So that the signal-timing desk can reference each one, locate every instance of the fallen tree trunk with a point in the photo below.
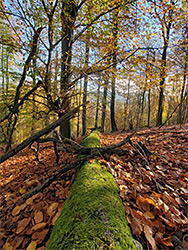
(93, 216)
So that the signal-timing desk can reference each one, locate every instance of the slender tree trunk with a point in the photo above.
(138, 110)
(186, 110)
(104, 102)
(78, 97)
(180, 115)
(114, 62)
(56, 70)
(126, 105)
(2, 70)
(97, 106)
(142, 107)
(7, 72)
(84, 127)
(33, 98)
(166, 35)
(149, 106)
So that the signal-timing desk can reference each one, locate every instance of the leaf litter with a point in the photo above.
(158, 218)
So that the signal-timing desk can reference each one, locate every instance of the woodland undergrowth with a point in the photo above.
(153, 188)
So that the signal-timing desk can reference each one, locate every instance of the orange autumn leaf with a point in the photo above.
(144, 203)
(104, 162)
(39, 226)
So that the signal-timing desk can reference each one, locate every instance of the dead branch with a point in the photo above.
(141, 150)
(119, 144)
(40, 133)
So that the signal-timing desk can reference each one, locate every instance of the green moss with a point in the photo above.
(92, 140)
(93, 216)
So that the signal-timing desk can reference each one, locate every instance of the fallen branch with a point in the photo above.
(40, 133)
(79, 149)
(141, 150)
(36, 150)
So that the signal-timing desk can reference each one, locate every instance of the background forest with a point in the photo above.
(127, 58)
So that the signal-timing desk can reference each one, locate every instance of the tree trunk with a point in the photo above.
(68, 17)
(33, 98)
(126, 105)
(166, 36)
(142, 108)
(93, 216)
(97, 106)
(84, 127)
(180, 115)
(149, 106)
(78, 99)
(104, 102)
(114, 62)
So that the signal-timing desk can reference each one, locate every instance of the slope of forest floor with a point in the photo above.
(153, 189)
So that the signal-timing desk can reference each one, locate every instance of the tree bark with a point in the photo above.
(104, 101)
(68, 17)
(149, 106)
(93, 216)
(114, 62)
(84, 127)
(166, 36)
(97, 106)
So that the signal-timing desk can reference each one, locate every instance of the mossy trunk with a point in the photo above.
(93, 216)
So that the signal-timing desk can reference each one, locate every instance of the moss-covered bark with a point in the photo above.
(93, 216)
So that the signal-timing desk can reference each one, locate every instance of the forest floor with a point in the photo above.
(153, 188)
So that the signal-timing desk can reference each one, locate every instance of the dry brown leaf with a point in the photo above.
(149, 236)
(22, 225)
(17, 241)
(36, 196)
(39, 226)
(52, 208)
(38, 217)
(150, 215)
(22, 190)
(17, 209)
(166, 242)
(54, 220)
(40, 236)
(32, 245)
(185, 242)
(136, 226)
